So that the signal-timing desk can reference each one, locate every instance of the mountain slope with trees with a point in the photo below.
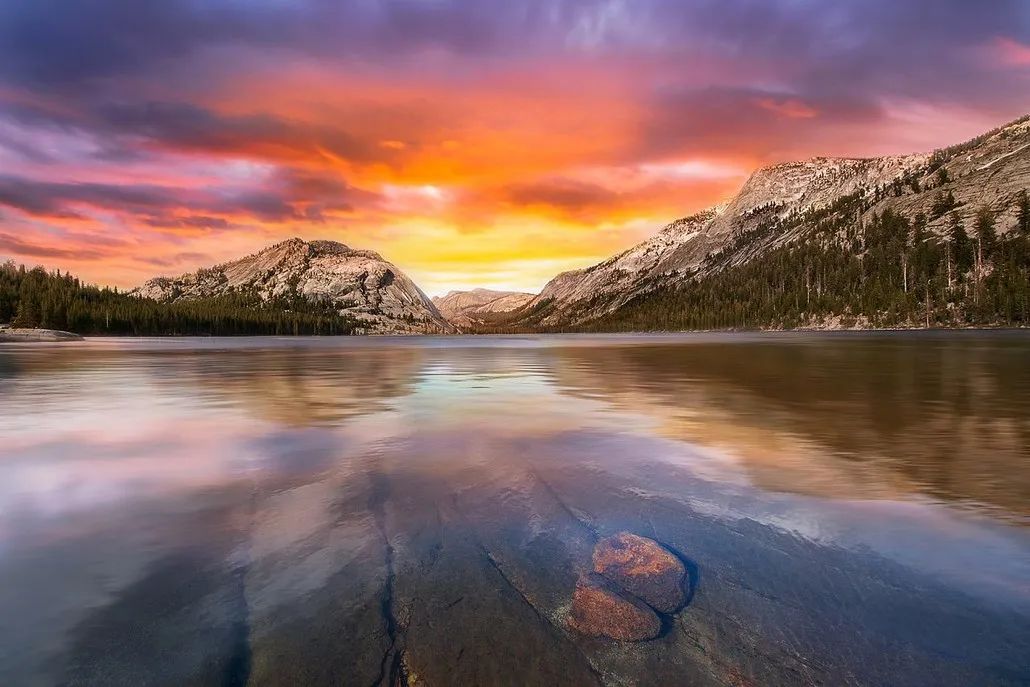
(923, 240)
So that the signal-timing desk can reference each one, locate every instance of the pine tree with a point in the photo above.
(1023, 212)
(943, 203)
(919, 229)
(985, 237)
(960, 244)
(27, 316)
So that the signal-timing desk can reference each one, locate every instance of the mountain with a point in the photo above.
(358, 284)
(478, 306)
(825, 204)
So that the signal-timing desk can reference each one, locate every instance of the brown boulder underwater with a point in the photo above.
(633, 577)
(644, 568)
(601, 611)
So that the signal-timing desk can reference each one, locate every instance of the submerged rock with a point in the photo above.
(600, 611)
(644, 568)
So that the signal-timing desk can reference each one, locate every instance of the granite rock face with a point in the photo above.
(643, 568)
(599, 610)
(621, 277)
(357, 283)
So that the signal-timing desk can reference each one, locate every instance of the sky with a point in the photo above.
(481, 143)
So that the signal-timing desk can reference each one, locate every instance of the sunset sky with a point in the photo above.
(479, 143)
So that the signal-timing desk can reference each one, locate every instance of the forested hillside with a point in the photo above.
(36, 298)
(885, 273)
(935, 239)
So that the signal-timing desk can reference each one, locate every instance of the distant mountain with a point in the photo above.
(478, 306)
(358, 284)
(831, 209)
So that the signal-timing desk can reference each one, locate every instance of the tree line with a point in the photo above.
(51, 300)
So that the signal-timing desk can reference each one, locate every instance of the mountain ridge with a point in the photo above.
(987, 171)
(468, 308)
(930, 239)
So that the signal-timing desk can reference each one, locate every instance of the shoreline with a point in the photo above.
(12, 335)
(22, 335)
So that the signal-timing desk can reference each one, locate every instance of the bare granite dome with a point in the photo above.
(358, 283)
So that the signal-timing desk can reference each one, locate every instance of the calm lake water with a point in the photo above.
(853, 508)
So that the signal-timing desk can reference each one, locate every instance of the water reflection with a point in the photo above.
(867, 416)
(343, 511)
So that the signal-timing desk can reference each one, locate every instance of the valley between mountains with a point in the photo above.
(940, 239)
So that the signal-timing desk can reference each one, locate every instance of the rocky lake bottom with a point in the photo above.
(723, 509)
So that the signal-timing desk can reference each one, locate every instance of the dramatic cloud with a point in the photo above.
(17, 246)
(451, 135)
(153, 205)
(567, 194)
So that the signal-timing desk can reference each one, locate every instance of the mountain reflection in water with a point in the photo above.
(350, 511)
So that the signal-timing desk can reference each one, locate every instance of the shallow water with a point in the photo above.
(853, 508)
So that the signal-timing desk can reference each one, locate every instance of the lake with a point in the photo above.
(852, 508)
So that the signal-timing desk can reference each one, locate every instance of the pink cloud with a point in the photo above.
(1011, 52)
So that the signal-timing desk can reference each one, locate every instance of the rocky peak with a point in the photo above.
(357, 283)
(616, 277)
(817, 182)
